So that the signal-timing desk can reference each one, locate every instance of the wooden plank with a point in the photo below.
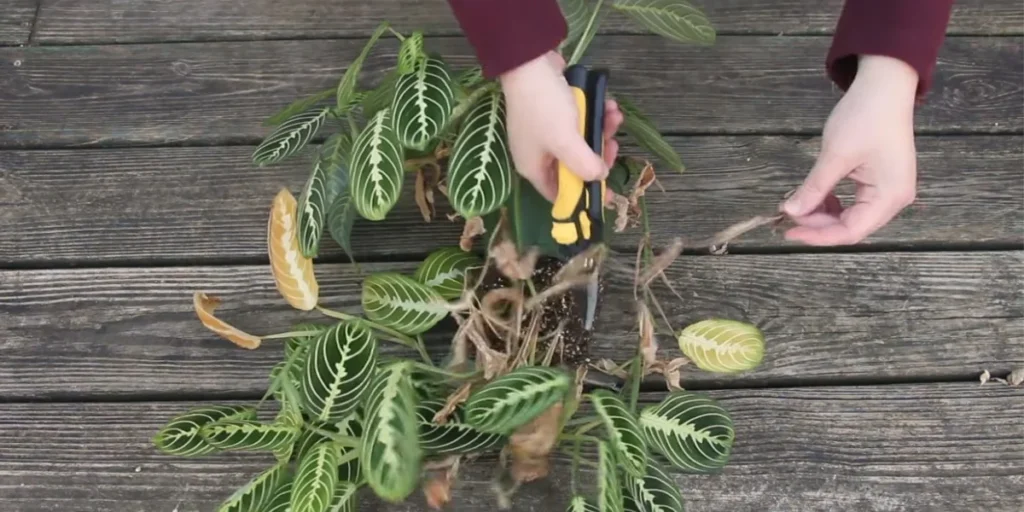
(908, 447)
(212, 202)
(130, 332)
(104, 21)
(221, 92)
(15, 23)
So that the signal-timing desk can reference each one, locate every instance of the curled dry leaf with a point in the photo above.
(622, 212)
(205, 305)
(1016, 377)
(643, 182)
(454, 400)
(510, 264)
(437, 482)
(611, 368)
(531, 444)
(661, 262)
(648, 344)
(985, 376)
(474, 227)
(670, 371)
(425, 184)
(293, 272)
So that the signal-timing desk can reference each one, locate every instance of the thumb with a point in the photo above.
(577, 156)
(826, 173)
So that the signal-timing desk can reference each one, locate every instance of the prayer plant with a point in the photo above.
(352, 416)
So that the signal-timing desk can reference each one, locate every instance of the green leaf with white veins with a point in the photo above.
(316, 479)
(290, 137)
(300, 105)
(390, 454)
(335, 154)
(722, 346)
(655, 492)
(453, 437)
(576, 14)
(516, 398)
(410, 53)
(256, 493)
(636, 125)
(347, 85)
(480, 168)
(344, 497)
(282, 500)
(609, 488)
(423, 102)
(691, 430)
(310, 208)
(380, 96)
(624, 432)
(341, 217)
(402, 303)
(377, 171)
(337, 369)
(180, 436)
(249, 435)
(580, 504)
(445, 269)
(677, 20)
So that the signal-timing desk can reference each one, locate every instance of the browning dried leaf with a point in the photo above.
(643, 182)
(205, 305)
(531, 444)
(424, 194)
(1016, 377)
(661, 262)
(985, 376)
(648, 344)
(719, 241)
(510, 264)
(622, 212)
(474, 227)
(437, 483)
(670, 371)
(454, 400)
(293, 272)
(611, 368)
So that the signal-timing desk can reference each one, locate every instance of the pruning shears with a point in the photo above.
(577, 215)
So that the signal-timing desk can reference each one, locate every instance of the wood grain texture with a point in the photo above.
(210, 204)
(15, 23)
(131, 332)
(222, 92)
(908, 447)
(103, 21)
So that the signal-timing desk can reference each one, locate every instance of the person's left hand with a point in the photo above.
(869, 138)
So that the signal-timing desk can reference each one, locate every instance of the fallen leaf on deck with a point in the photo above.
(1016, 377)
(205, 305)
(474, 227)
(531, 444)
(985, 376)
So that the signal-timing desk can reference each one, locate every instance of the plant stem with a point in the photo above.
(422, 348)
(350, 442)
(291, 334)
(467, 103)
(589, 426)
(581, 421)
(577, 53)
(349, 457)
(636, 372)
(397, 34)
(575, 465)
(352, 126)
(396, 336)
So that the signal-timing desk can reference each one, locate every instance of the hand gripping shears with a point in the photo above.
(577, 216)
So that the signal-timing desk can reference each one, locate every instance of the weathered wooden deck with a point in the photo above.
(125, 185)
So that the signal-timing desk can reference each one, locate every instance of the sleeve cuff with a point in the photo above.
(507, 33)
(909, 30)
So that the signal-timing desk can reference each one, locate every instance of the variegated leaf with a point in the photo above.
(402, 303)
(341, 217)
(347, 84)
(624, 432)
(258, 492)
(282, 500)
(293, 272)
(249, 435)
(657, 491)
(302, 342)
(316, 479)
(677, 20)
(722, 346)
(180, 436)
(380, 96)
(576, 14)
(516, 398)
(290, 136)
(691, 430)
(351, 426)
(445, 269)
(335, 154)
(584, 18)
(423, 102)
(377, 169)
(470, 78)
(580, 504)
(453, 437)
(344, 497)
(390, 455)
(205, 305)
(337, 370)
(480, 169)
(638, 126)
(311, 207)
(609, 498)
(411, 53)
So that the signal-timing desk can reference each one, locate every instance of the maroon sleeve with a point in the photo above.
(909, 30)
(507, 33)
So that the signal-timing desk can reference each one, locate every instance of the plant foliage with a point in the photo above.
(353, 416)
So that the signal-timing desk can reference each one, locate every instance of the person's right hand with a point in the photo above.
(542, 126)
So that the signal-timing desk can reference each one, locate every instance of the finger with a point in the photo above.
(823, 177)
(826, 214)
(611, 151)
(855, 224)
(612, 118)
(579, 158)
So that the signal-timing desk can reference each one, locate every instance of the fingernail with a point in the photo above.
(792, 206)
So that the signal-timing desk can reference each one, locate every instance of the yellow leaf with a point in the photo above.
(293, 272)
(205, 304)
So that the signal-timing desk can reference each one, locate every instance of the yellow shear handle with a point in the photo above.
(570, 190)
